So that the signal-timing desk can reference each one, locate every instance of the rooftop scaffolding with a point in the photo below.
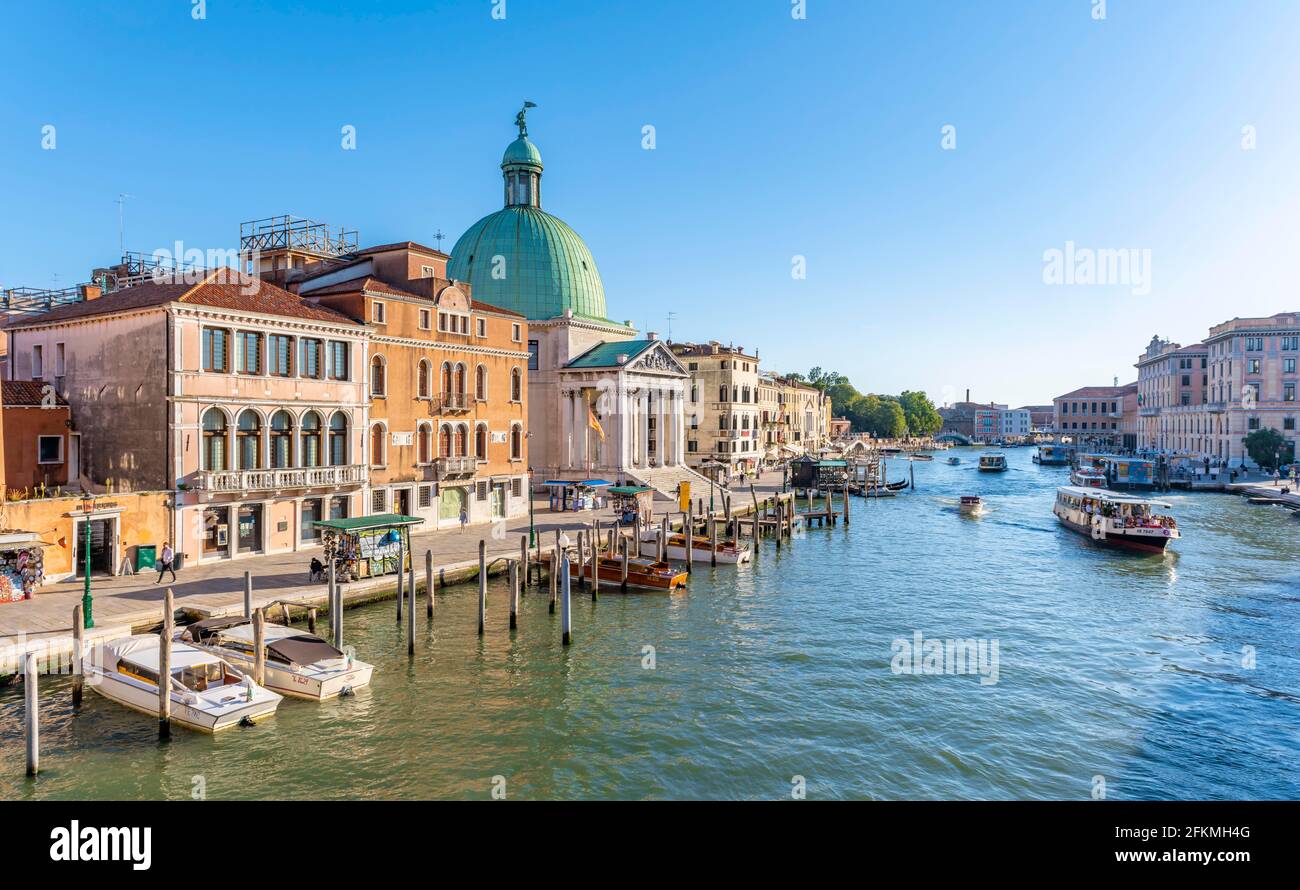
(293, 233)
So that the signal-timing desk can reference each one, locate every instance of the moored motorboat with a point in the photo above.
(729, 551)
(971, 505)
(992, 462)
(1115, 520)
(297, 663)
(1088, 477)
(207, 692)
(642, 572)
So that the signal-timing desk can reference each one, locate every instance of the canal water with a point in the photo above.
(1173, 676)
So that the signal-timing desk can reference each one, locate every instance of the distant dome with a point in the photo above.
(524, 259)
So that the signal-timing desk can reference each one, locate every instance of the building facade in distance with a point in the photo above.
(1102, 417)
(724, 437)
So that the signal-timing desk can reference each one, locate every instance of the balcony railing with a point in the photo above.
(449, 467)
(279, 480)
(451, 402)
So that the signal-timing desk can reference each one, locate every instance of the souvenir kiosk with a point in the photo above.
(589, 494)
(22, 565)
(632, 501)
(368, 546)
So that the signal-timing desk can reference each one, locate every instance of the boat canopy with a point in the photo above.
(290, 644)
(1113, 497)
(142, 650)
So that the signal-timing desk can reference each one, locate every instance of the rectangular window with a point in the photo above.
(427, 272)
(1288, 392)
(464, 325)
(59, 367)
(424, 497)
(250, 352)
(216, 350)
(338, 360)
(514, 332)
(516, 488)
(311, 514)
(1252, 423)
(377, 312)
(1252, 366)
(38, 362)
(481, 490)
(482, 326)
(532, 355)
(378, 500)
(279, 355)
(1288, 366)
(426, 317)
(309, 358)
(50, 449)
(1288, 423)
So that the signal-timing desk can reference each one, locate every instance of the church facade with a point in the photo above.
(604, 402)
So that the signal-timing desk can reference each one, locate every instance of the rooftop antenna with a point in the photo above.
(438, 236)
(121, 228)
(671, 316)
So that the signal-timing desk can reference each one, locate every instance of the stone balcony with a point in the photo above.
(451, 403)
(238, 481)
(454, 467)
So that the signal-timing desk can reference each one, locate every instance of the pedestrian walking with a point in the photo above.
(165, 562)
(464, 518)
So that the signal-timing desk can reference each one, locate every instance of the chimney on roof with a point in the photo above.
(90, 291)
(653, 335)
(968, 393)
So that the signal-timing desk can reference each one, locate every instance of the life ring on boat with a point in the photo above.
(1098, 527)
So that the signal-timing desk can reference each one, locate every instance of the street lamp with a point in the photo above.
(87, 505)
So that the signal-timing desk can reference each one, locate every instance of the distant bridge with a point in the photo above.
(957, 438)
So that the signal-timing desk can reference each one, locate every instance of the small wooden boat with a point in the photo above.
(729, 551)
(207, 692)
(642, 572)
(971, 505)
(297, 663)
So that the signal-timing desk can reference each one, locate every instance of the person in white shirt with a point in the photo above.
(165, 562)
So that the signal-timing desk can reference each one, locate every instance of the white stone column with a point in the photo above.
(645, 427)
(661, 437)
(566, 412)
(668, 446)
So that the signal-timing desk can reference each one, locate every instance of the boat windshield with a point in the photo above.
(200, 677)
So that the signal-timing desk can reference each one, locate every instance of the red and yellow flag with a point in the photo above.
(594, 423)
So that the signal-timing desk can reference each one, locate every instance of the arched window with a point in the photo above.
(214, 440)
(446, 378)
(311, 433)
(480, 441)
(516, 442)
(338, 439)
(722, 393)
(444, 440)
(248, 435)
(462, 439)
(281, 440)
(425, 441)
(460, 380)
(424, 379)
(516, 385)
(377, 451)
(378, 382)
(480, 383)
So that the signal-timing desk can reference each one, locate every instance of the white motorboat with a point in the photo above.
(1088, 477)
(297, 663)
(992, 462)
(207, 692)
(971, 505)
(728, 551)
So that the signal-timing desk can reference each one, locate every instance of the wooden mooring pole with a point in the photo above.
(515, 581)
(429, 584)
(482, 585)
(688, 529)
(713, 541)
(165, 667)
(401, 576)
(259, 647)
(595, 563)
(32, 714)
(566, 610)
(336, 608)
(248, 595)
(311, 620)
(555, 576)
(78, 652)
(624, 541)
(523, 561)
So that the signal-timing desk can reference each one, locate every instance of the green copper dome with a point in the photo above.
(522, 258)
(522, 151)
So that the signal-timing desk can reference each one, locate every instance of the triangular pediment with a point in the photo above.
(658, 358)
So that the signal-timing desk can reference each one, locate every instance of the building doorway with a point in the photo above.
(498, 500)
(102, 535)
(402, 501)
(250, 528)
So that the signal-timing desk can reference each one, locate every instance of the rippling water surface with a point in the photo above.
(1113, 664)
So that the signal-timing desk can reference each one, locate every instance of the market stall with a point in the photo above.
(22, 565)
(631, 501)
(368, 546)
(566, 495)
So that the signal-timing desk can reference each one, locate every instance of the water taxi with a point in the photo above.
(1053, 455)
(971, 505)
(954, 461)
(642, 572)
(207, 692)
(1116, 520)
(1088, 477)
(297, 663)
(992, 462)
(728, 551)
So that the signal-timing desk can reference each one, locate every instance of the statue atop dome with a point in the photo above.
(521, 119)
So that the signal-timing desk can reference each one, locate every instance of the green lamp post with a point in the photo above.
(87, 505)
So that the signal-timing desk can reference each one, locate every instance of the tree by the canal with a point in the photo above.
(922, 418)
(1268, 448)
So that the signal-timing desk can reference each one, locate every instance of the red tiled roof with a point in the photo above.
(223, 288)
(376, 285)
(1089, 392)
(403, 245)
(25, 394)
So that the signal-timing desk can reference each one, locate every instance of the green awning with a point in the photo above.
(629, 489)
(364, 523)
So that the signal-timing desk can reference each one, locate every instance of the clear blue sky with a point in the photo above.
(776, 138)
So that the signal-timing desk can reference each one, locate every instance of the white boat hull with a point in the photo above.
(307, 682)
(204, 714)
(738, 554)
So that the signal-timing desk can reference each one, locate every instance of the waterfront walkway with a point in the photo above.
(128, 602)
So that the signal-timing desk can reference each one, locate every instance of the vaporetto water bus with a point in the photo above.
(992, 463)
(1053, 455)
(1116, 520)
